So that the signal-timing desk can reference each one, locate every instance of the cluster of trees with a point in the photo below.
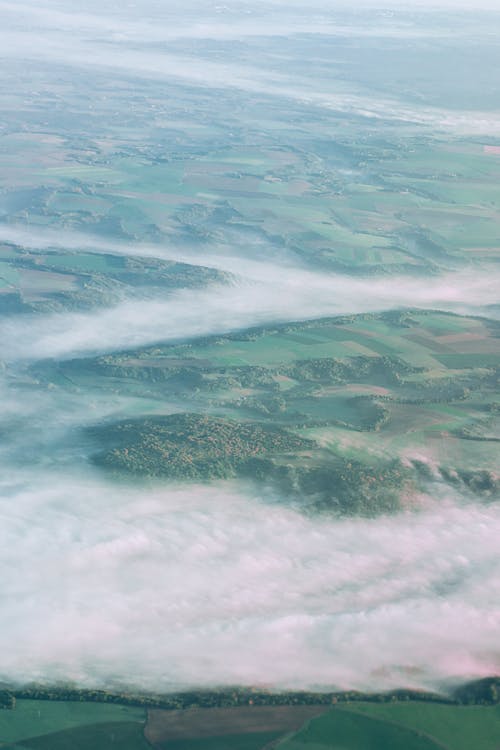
(195, 447)
(481, 692)
(190, 446)
(358, 369)
(479, 481)
(339, 485)
(7, 699)
(232, 697)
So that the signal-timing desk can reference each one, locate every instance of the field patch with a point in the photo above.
(457, 727)
(173, 728)
(342, 730)
(124, 735)
(32, 718)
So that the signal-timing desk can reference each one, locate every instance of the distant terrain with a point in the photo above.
(256, 721)
(249, 375)
(354, 414)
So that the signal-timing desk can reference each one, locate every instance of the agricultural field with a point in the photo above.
(409, 398)
(62, 724)
(394, 725)
(249, 376)
(34, 282)
(422, 726)
(330, 193)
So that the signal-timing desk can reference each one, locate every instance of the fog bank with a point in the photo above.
(206, 586)
(277, 296)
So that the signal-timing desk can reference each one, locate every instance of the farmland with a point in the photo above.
(351, 725)
(249, 376)
(409, 398)
(400, 727)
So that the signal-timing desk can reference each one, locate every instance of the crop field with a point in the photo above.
(342, 730)
(432, 204)
(62, 724)
(249, 368)
(243, 728)
(396, 725)
(425, 339)
(456, 728)
(345, 397)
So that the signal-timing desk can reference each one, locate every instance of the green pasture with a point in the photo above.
(126, 735)
(374, 337)
(447, 189)
(342, 730)
(251, 741)
(356, 413)
(461, 361)
(32, 718)
(271, 349)
(455, 727)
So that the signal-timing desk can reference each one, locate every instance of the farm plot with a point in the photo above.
(43, 725)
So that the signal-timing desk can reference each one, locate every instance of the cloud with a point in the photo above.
(160, 586)
(263, 293)
(141, 49)
(205, 585)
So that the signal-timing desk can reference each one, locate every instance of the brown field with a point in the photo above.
(459, 338)
(191, 723)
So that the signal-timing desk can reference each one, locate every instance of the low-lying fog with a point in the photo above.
(159, 586)
(164, 588)
(258, 292)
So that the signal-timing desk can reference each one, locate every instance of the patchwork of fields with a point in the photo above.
(43, 725)
(249, 375)
(410, 398)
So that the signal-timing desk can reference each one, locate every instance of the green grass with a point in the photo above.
(358, 413)
(465, 361)
(343, 730)
(457, 727)
(32, 718)
(90, 262)
(126, 735)
(252, 741)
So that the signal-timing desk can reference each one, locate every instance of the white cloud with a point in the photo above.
(98, 42)
(206, 586)
(264, 293)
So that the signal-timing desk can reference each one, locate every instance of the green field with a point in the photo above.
(400, 726)
(342, 730)
(376, 396)
(251, 741)
(457, 728)
(126, 735)
(62, 724)
(395, 725)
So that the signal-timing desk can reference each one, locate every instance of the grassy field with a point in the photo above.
(400, 726)
(363, 219)
(59, 725)
(456, 727)
(413, 386)
(254, 741)
(37, 719)
(342, 730)
(124, 735)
